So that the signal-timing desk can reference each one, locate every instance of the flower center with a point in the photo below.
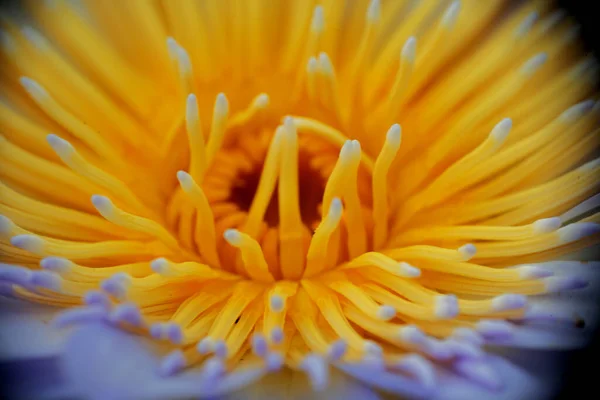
(311, 186)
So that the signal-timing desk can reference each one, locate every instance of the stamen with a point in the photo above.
(31, 243)
(252, 255)
(128, 313)
(77, 163)
(258, 104)
(373, 18)
(312, 69)
(217, 128)
(205, 226)
(362, 301)
(119, 217)
(397, 94)
(291, 229)
(69, 121)
(380, 171)
(337, 350)
(260, 346)
(385, 263)
(182, 63)
(525, 26)
(266, 185)
(196, 139)
(329, 89)
(446, 306)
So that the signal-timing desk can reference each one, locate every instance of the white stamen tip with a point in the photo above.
(289, 125)
(494, 329)
(213, 369)
(356, 147)
(56, 264)
(337, 350)
(220, 348)
(534, 272)
(261, 101)
(259, 345)
(374, 11)
(103, 204)
(501, 130)
(546, 225)
(232, 236)
(276, 302)
(386, 312)
(159, 265)
(573, 113)
(205, 346)
(467, 251)
(372, 348)
(172, 47)
(533, 64)
(46, 279)
(276, 335)
(59, 145)
(185, 180)
(527, 24)
(394, 135)
(221, 104)
(451, 14)
(409, 50)
(590, 165)
(312, 65)
(509, 301)
(576, 231)
(318, 20)
(191, 104)
(419, 367)
(6, 225)
(325, 63)
(468, 335)
(346, 150)
(30, 243)
(446, 306)
(34, 37)
(411, 334)
(172, 363)
(556, 284)
(34, 89)
(183, 59)
(408, 271)
(274, 361)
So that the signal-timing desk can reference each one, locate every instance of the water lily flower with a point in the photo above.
(285, 198)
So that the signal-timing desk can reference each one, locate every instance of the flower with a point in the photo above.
(264, 193)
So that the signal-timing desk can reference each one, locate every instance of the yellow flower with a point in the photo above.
(298, 182)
